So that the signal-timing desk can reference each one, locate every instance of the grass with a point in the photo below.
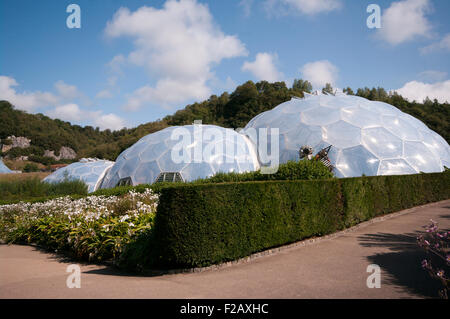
(31, 188)
(23, 176)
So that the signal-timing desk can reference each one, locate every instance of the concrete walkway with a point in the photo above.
(329, 268)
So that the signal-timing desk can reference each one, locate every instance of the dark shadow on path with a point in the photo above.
(403, 263)
(108, 268)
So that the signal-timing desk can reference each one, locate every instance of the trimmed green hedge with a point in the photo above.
(199, 225)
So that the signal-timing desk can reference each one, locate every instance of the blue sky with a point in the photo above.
(135, 61)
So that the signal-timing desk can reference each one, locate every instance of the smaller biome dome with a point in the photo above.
(183, 153)
(3, 168)
(90, 171)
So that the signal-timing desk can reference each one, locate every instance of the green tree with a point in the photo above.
(328, 89)
(302, 86)
(349, 91)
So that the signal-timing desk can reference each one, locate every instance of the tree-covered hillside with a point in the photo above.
(228, 110)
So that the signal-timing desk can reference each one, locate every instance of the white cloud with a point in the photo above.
(67, 91)
(166, 93)
(263, 68)
(104, 94)
(308, 7)
(73, 113)
(405, 20)
(68, 112)
(418, 91)
(27, 101)
(320, 73)
(178, 44)
(443, 45)
(110, 121)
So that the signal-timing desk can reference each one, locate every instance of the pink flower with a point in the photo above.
(424, 263)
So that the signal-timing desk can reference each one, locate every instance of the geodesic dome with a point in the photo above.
(367, 137)
(3, 168)
(208, 149)
(91, 171)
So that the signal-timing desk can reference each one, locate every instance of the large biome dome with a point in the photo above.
(90, 171)
(151, 158)
(367, 137)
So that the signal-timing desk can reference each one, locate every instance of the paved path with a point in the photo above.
(330, 268)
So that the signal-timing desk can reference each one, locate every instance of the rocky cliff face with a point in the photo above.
(11, 142)
(19, 141)
(64, 153)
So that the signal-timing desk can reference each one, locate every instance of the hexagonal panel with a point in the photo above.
(146, 172)
(168, 163)
(356, 161)
(395, 167)
(320, 116)
(341, 134)
(360, 117)
(420, 157)
(382, 143)
(401, 128)
(195, 171)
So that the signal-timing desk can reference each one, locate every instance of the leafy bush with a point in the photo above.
(30, 167)
(302, 170)
(203, 224)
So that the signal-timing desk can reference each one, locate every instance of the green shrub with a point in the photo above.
(199, 224)
(302, 170)
(30, 167)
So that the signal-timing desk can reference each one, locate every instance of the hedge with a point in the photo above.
(199, 225)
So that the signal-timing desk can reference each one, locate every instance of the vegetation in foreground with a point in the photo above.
(30, 187)
(94, 228)
(211, 221)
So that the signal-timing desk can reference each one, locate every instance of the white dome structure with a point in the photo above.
(4, 169)
(183, 153)
(90, 171)
(367, 137)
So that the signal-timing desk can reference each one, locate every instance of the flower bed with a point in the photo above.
(94, 228)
